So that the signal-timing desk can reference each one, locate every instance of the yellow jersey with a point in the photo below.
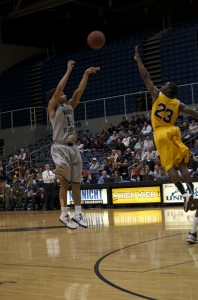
(165, 111)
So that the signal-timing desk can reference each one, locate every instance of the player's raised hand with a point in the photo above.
(136, 56)
(92, 70)
(70, 65)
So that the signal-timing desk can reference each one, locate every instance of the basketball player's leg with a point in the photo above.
(192, 236)
(193, 204)
(64, 217)
(188, 198)
(76, 193)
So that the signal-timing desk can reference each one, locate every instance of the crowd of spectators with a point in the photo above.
(122, 153)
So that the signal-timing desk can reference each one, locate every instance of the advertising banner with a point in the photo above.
(134, 195)
(90, 196)
(172, 195)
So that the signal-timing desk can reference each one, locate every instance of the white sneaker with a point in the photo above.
(68, 222)
(191, 239)
(80, 220)
(188, 198)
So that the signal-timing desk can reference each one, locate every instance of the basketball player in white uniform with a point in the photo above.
(64, 152)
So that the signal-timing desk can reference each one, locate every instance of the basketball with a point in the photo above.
(96, 39)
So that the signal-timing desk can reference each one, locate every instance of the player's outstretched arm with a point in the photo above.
(187, 110)
(82, 85)
(145, 76)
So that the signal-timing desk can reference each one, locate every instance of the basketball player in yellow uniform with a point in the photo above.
(173, 153)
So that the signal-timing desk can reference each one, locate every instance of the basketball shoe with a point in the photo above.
(192, 237)
(68, 222)
(80, 220)
(188, 198)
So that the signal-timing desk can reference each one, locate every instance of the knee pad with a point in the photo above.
(62, 171)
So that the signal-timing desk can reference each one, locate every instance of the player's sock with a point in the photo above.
(190, 187)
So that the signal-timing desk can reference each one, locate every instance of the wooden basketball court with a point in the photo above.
(124, 254)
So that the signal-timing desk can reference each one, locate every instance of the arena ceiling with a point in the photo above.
(66, 23)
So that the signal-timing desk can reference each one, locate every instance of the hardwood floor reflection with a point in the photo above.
(124, 254)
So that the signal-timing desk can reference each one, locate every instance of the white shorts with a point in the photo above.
(70, 157)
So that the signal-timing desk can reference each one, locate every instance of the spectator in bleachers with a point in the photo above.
(132, 175)
(129, 155)
(89, 178)
(126, 139)
(138, 155)
(102, 177)
(120, 145)
(133, 122)
(97, 144)
(123, 169)
(193, 128)
(22, 155)
(146, 129)
(80, 146)
(123, 124)
(139, 144)
(195, 148)
(149, 157)
(95, 165)
(115, 154)
(148, 142)
(6, 196)
(39, 177)
(163, 175)
(156, 172)
(14, 161)
(18, 194)
(117, 177)
(112, 137)
(106, 165)
(32, 194)
(147, 173)
(2, 168)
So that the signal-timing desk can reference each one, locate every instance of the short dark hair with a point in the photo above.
(50, 93)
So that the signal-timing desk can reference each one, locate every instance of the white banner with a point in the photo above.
(172, 195)
(90, 196)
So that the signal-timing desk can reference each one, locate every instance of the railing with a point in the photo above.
(130, 103)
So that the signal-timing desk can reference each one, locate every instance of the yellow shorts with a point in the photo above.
(170, 147)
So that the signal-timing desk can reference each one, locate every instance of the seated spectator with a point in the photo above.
(117, 177)
(138, 155)
(89, 178)
(126, 140)
(147, 129)
(163, 175)
(32, 194)
(18, 194)
(132, 175)
(80, 146)
(129, 155)
(103, 177)
(147, 174)
(6, 196)
(22, 155)
(149, 157)
(195, 148)
(106, 165)
(123, 169)
(39, 177)
(193, 128)
(114, 155)
(120, 146)
(95, 166)
(112, 137)
(148, 142)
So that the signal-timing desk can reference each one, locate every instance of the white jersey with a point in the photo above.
(63, 124)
